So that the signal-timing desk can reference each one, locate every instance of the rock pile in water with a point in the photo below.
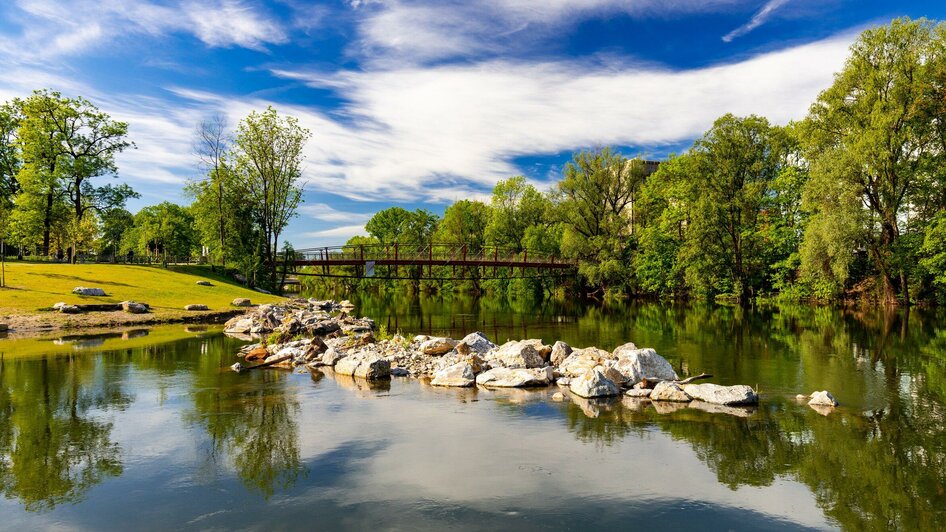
(330, 338)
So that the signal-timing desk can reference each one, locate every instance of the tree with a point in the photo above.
(117, 223)
(872, 135)
(212, 147)
(388, 225)
(268, 167)
(163, 230)
(465, 222)
(9, 160)
(595, 199)
(66, 142)
(515, 206)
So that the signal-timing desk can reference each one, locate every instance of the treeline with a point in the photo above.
(54, 151)
(847, 203)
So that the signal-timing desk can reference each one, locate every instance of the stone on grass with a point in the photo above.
(639, 364)
(133, 307)
(722, 395)
(669, 391)
(437, 346)
(241, 302)
(85, 291)
(204, 283)
(823, 398)
(459, 375)
(69, 309)
(515, 377)
(196, 307)
(594, 383)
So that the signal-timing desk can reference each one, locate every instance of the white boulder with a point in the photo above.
(438, 346)
(722, 395)
(460, 375)
(517, 355)
(638, 364)
(822, 398)
(669, 391)
(593, 383)
(84, 291)
(515, 377)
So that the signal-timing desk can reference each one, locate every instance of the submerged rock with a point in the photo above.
(823, 398)
(722, 395)
(669, 391)
(515, 377)
(460, 375)
(594, 383)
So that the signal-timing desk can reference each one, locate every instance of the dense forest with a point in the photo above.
(847, 203)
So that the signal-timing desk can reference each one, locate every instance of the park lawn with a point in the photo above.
(35, 286)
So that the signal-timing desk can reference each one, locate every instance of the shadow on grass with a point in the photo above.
(77, 278)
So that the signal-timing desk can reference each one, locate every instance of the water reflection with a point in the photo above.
(285, 448)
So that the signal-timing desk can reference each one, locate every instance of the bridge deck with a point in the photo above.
(454, 256)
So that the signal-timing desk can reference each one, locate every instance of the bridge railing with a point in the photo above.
(427, 253)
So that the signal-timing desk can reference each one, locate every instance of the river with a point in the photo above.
(149, 430)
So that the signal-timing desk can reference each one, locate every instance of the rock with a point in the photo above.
(517, 355)
(400, 372)
(4, 327)
(611, 372)
(558, 397)
(560, 351)
(722, 395)
(420, 338)
(196, 307)
(204, 283)
(580, 361)
(59, 305)
(364, 365)
(257, 354)
(594, 384)
(315, 350)
(438, 346)
(540, 347)
(515, 377)
(823, 398)
(69, 309)
(640, 393)
(478, 342)
(460, 374)
(330, 357)
(237, 367)
(132, 307)
(345, 304)
(238, 325)
(241, 302)
(669, 391)
(638, 364)
(83, 291)
(801, 397)
(738, 411)
(563, 381)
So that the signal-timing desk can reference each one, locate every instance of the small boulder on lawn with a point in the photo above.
(241, 302)
(133, 307)
(205, 283)
(85, 291)
(69, 309)
(196, 307)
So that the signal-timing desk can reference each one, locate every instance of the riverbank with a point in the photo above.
(33, 289)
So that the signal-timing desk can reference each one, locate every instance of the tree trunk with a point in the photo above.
(47, 222)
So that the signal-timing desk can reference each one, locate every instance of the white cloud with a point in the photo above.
(343, 232)
(46, 30)
(760, 18)
(433, 133)
(327, 213)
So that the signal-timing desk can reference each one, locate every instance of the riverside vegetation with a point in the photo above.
(845, 204)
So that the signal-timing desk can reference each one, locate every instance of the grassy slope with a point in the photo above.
(32, 286)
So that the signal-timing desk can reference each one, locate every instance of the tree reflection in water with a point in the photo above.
(52, 447)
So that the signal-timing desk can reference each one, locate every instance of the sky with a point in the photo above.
(421, 103)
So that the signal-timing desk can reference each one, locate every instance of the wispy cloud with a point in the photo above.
(340, 233)
(326, 213)
(760, 18)
(50, 28)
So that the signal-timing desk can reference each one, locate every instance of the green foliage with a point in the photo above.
(161, 231)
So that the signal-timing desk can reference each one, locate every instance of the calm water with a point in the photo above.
(151, 431)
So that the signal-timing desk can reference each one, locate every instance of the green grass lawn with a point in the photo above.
(33, 286)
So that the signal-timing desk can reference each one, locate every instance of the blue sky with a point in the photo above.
(419, 103)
